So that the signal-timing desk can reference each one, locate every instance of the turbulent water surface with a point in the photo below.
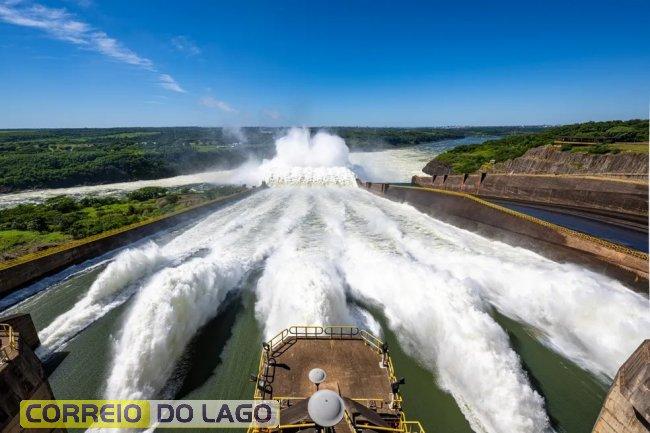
(470, 316)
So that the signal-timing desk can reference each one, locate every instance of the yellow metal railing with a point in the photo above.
(324, 332)
(411, 427)
(334, 332)
(11, 342)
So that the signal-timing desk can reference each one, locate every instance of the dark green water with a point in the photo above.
(220, 358)
(573, 396)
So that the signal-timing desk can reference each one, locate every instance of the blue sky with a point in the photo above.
(86, 63)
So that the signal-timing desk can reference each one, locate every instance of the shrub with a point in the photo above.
(147, 193)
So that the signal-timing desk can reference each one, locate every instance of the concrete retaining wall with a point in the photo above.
(612, 195)
(22, 377)
(627, 405)
(18, 273)
(24, 324)
(555, 242)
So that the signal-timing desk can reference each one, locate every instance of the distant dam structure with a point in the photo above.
(310, 176)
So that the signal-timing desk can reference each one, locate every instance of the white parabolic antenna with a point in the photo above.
(317, 375)
(326, 408)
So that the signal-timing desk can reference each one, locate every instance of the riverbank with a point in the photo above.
(589, 147)
(28, 268)
(33, 227)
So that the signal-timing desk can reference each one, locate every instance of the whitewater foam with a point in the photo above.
(117, 282)
(103, 295)
(310, 177)
(303, 159)
(177, 301)
(321, 247)
(565, 302)
(438, 320)
(301, 283)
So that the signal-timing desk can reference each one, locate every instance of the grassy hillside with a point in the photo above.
(32, 227)
(609, 137)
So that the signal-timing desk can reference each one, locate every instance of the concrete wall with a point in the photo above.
(23, 273)
(612, 195)
(28, 332)
(23, 378)
(551, 159)
(552, 241)
(627, 405)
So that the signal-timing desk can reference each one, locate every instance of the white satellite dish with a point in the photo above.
(317, 375)
(326, 408)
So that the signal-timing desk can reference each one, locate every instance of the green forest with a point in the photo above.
(378, 138)
(32, 227)
(68, 157)
(602, 137)
(52, 158)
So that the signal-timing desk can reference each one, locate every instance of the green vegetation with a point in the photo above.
(602, 137)
(52, 158)
(377, 138)
(67, 157)
(32, 227)
(631, 147)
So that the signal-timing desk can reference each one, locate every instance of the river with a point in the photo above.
(490, 337)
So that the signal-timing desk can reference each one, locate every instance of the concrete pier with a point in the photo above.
(21, 374)
(624, 198)
(627, 406)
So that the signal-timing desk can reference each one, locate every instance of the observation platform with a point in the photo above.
(353, 369)
(358, 368)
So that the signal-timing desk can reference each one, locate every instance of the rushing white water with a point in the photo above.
(564, 301)
(326, 246)
(116, 283)
(302, 284)
(310, 176)
(439, 322)
(177, 301)
(39, 195)
(434, 282)
(402, 163)
(103, 296)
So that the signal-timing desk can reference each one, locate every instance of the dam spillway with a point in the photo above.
(319, 255)
(521, 229)
(178, 315)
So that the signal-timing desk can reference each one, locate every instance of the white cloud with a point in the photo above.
(185, 45)
(167, 82)
(112, 48)
(272, 114)
(209, 101)
(84, 3)
(60, 24)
